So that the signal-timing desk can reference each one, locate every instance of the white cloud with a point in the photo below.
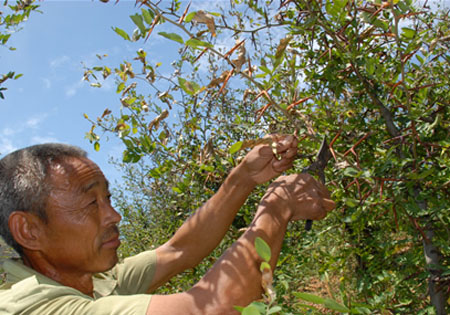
(47, 83)
(43, 139)
(60, 61)
(6, 146)
(71, 90)
(35, 121)
(7, 131)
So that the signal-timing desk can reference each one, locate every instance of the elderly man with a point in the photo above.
(55, 211)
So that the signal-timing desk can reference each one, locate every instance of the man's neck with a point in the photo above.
(80, 282)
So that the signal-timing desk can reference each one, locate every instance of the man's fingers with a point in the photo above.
(328, 204)
(282, 165)
(289, 153)
(265, 150)
(285, 143)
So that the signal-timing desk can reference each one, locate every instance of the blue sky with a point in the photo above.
(47, 104)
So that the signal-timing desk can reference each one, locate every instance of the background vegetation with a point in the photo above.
(371, 76)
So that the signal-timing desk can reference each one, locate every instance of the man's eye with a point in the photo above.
(94, 202)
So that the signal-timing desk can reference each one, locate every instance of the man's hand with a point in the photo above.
(299, 197)
(261, 164)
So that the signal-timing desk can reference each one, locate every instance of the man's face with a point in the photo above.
(81, 235)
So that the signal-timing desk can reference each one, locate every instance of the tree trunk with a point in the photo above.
(433, 258)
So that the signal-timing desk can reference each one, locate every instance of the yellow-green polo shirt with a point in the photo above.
(119, 291)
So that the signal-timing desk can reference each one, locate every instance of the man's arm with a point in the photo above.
(204, 230)
(235, 279)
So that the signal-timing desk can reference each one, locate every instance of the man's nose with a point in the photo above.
(111, 216)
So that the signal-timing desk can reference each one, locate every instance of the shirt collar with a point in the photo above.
(16, 271)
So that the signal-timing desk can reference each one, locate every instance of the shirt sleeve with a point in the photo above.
(135, 274)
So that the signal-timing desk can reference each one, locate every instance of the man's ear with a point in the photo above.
(26, 229)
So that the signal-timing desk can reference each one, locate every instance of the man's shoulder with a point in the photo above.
(31, 292)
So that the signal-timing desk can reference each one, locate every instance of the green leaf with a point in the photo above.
(351, 202)
(250, 310)
(189, 87)
(335, 306)
(331, 9)
(139, 21)
(263, 249)
(190, 16)
(120, 87)
(148, 18)
(265, 69)
(194, 43)
(235, 147)
(408, 32)
(341, 3)
(238, 308)
(172, 36)
(370, 66)
(352, 172)
(310, 297)
(421, 175)
(97, 146)
(121, 33)
(264, 265)
(177, 190)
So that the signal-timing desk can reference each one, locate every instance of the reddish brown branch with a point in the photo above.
(298, 102)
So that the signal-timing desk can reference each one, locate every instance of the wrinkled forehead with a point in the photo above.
(79, 172)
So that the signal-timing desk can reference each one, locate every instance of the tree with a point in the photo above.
(372, 76)
(9, 23)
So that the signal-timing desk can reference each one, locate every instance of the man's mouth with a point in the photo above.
(111, 238)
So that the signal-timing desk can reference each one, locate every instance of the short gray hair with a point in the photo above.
(23, 184)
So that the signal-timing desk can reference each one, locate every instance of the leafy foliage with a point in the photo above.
(372, 76)
(9, 23)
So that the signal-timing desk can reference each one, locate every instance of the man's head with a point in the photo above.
(55, 208)
(24, 184)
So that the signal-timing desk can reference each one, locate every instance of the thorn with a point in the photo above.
(234, 48)
(184, 13)
(226, 81)
(152, 27)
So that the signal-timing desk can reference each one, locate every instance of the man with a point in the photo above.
(55, 211)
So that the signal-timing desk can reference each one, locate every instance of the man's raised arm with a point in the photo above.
(204, 230)
(235, 279)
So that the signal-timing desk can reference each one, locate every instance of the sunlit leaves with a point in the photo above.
(172, 36)
(408, 32)
(235, 147)
(121, 33)
(10, 18)
(195, 43)
(190, 87)
(262, 249)
(139, 21)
